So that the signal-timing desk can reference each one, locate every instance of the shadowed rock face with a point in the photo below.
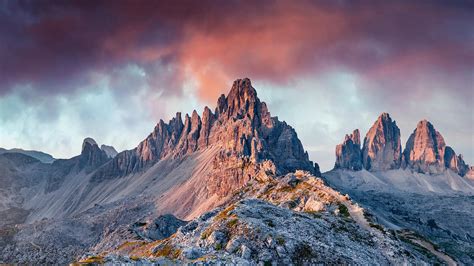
(43, 157)
(109, 150)
(382, 145)
(426, 152)
(348, 154)
(158, 228)
(241, 124)
(91, 155)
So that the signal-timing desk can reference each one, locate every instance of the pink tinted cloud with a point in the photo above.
(56, 45)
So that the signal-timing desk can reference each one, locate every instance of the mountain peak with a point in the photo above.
(427, 152)
(88, 141)
(348, 154)
(91, 155)
(382, 145)
(384, 116)
(109, 150)
(425, 149)
(425, 124)
(241, 125)
(241, 100)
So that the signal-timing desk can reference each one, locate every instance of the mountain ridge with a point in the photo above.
(425, 150)
(193, 168)
(184, 167)
(42, 156)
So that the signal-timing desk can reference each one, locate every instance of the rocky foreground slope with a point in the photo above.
(288, 219)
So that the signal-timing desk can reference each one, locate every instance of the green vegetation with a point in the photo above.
(224, 214)
(270, 223)
(377, 226)
(206, 233)
(93, 260)
(232, 223)
(303, 253)
(344, 211)
(168, 251)
(280, 240)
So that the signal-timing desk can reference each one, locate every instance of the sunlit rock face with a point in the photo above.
(382, 145)
(426, 152)
(349, 154)
(241, 125)
(470, 173)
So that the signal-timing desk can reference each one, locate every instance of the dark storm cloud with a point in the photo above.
(56, 46)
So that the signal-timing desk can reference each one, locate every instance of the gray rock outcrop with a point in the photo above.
(91, 155)
(382, 146)
(109, 150)
(158, 228)
(349, 154)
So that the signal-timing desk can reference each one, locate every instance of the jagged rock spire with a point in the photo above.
(91, 155)
(348, 154)
(382, 145)
(242, 99)
(425, 149)
(109, 150)
(241, 126)
(426, 152)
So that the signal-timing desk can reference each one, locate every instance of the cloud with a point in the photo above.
(154, 57)
(58, 46)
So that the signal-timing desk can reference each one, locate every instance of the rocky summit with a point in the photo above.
(382, 149)
(91, 155)
(241, 124)
(415, 190)
(426, 152)
(348, 154)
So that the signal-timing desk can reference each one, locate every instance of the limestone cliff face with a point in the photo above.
(109, 150)
(91, 155)
(349, 154)
(426, 152)
(241, 126)
(382, 145)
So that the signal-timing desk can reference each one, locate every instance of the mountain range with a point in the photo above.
(235, 185)
(427, 187)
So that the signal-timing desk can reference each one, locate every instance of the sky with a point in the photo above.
(112, 69)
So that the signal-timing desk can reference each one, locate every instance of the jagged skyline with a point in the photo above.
(111, 71)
